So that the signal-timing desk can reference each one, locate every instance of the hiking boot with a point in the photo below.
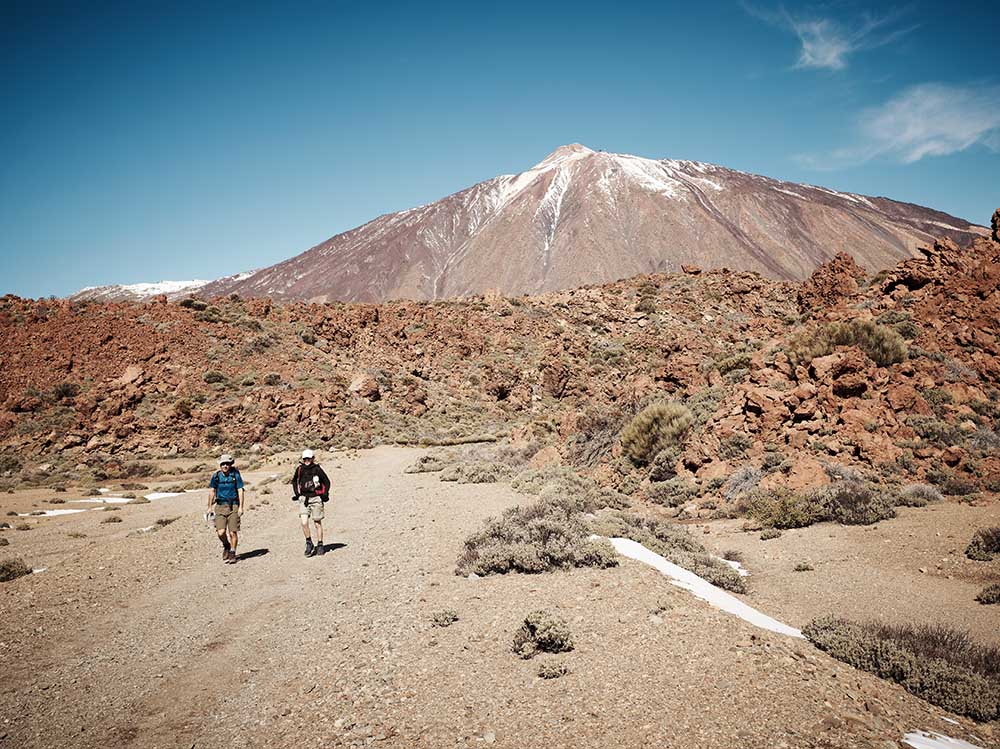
(225, 556)
(320, 549)
(232, 556)
(310, 549)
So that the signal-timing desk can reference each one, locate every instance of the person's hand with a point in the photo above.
(240, 511)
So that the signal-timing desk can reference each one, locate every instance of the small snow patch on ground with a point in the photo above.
(924, 740)
(162, 495)
(736, 566)
(40, 569)
(104, 500)
(701, 588)
(48, 513)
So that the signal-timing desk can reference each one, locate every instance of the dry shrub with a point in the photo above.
(989, 594)
(672, 493)
(11, 569)
(769, 534)
(881, 344)
(112, 519)
(782, 508)
(854, 503)
(735, 446)
(937, 663)
(673, 543)
(547, 535)
(743, 481)
(427, 464)
(444, 618)
(551, 670)
(542, 632)
(918, 495)
(984, 544)
(656, 427)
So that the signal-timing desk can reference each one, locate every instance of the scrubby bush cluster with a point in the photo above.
(673, 543)
(918, 495)
(984, 544)
(939, 664)
(658, 426)
(990, 594)
(547, 535)
(882, 344)
(542, 632)
(444, 618)
(671, 493)
(11, 569)
(549, 670)
(844, 502)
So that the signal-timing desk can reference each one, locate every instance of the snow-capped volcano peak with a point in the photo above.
(581, 216)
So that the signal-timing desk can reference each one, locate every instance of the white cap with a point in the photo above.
(226, 458)
(308, 454)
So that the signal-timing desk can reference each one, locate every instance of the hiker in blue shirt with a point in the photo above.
(227, 496)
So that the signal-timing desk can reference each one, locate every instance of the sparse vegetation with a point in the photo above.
(803, 567)
(444, 618)
(844, 502)
(855, 503)
(213, 376)
(769, 533)
(542, 632)
(937, 663)
(880, 343)
(111, 519)
(11, 569)
(782, 508)
(164, 522)
(551, 670)
(984, 545)
(547, 535)
(743, 481)
(918, 495)
(990, 594)
(735, 446)
(658, 426)
(673, 543)
(672, 493)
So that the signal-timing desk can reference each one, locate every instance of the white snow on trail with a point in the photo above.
(104, 500)
(47, 513)
(701, 588)
(162, 495)
(924, 740)
(736, 566)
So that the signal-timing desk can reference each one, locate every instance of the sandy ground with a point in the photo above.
(148, 640)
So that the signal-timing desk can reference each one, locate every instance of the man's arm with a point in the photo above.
(243, 504)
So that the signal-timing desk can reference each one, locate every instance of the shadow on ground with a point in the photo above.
(251, 554)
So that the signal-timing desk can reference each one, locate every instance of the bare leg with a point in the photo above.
(319, 532)
(223, 537)
(234, 538)
(305, 526)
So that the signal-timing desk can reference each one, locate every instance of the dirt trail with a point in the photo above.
(150, 641)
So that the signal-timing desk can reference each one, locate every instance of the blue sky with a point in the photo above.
(145, 141)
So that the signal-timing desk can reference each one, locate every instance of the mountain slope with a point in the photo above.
(582, 217)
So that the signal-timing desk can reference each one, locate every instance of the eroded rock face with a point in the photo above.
(832, 284)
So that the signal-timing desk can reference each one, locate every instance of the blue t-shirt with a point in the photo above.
(226, 487)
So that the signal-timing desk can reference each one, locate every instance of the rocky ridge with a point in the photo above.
(565, 368)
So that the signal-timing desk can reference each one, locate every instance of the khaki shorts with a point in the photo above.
(227, 517)
(311, 507)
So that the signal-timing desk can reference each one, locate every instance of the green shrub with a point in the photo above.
(938, 664)
(542, 632)
(950, 482)
(990, 594)
(673, 543)
(656, 427)
(735, 446)
(663, 465)
(11, 569)
(984, 544)
(112, 519)
(65, 390)
(769, 534)
(646, 305)
(212, 376)
(881, 344)
(9, 462)
(936, 431)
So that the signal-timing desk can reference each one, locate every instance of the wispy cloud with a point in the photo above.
(826, 43)
(931, 119)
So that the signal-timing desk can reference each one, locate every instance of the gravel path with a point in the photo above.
(149, 640)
